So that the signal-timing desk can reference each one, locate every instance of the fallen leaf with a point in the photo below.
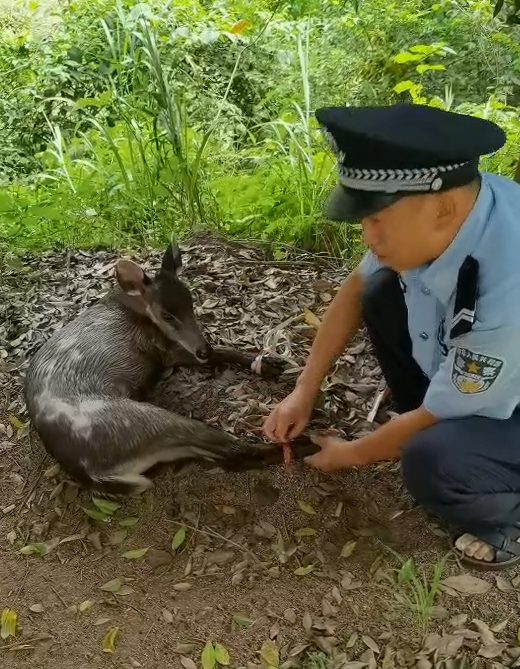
(307, 621)
(9, 620)
(297, 649)
(52, 472)
(110, 640)
(207, 658)
(368, 641)
(221, 654)
(304, 571)
(106, 506)
(95, 514)
(336, 595)
(306, 507)
(129, 522)
(178, 538)
(117, 537)
(85, 606)
(188, 663)
(135, 554)
(290, 615)
(33, 549)
(112, 586)
(492, 650)
(16, 422)
(311, 319)
(467, 584)
(503, 584)
(101, 621)
(269, 655)
(348, 549)
(305, 532)
(242, 621)
(167, 616)
(125, 590)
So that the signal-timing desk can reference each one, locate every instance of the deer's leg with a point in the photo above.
(268, 366)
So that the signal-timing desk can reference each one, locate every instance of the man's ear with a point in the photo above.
(446, 206)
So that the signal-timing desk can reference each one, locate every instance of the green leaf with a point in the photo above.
(222, 655)
(306, 507)
(96, 515)
(16, 422)
(129, 522)
(112, 586)
(135, 554)
(423, 48)
(33, 549)
(242, 621)
(8, 621)
(178, 538)
(348, 549)
(407, 57)
(207, 658)
(106, 506)
(270, 655)
(305, 532)
(421, 69)
(406, 572)
(110, 640)
(304, 571)
(403, 86)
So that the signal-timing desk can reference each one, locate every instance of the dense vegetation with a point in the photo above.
(122, 121)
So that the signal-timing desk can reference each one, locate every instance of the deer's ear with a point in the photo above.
(172, 259)
(131, 278)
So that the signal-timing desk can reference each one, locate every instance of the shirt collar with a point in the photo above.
(440, 276)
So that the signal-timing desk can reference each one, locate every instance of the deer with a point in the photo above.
(86, 386)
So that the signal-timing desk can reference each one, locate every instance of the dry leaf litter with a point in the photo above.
(264, 569)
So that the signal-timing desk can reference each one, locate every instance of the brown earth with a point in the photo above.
(245, 576)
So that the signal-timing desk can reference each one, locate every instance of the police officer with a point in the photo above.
(439, 293)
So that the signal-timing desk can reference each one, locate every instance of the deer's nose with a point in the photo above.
(202, 353)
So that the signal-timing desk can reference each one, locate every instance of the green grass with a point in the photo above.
(129, 122)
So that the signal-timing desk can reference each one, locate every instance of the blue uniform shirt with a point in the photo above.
(477, 373)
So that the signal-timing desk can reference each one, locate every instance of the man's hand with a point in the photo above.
(289, 418)
(335, 454)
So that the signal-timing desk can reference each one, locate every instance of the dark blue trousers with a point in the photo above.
(465, 471)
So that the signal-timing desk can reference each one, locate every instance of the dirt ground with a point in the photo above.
(275, 568)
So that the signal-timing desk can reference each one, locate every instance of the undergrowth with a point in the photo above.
(124, 122)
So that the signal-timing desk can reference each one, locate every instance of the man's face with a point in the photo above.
(405, 234)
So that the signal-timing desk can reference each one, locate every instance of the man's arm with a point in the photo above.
(479, 377)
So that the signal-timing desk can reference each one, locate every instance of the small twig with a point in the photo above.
(26, 642)
(59, 597)
(33, 487)
(22, 583)
(149, 632)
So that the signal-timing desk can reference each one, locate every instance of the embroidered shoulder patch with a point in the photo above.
(474, 373)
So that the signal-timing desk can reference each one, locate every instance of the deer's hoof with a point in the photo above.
(269, 366)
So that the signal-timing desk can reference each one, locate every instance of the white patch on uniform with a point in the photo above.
(473, 373)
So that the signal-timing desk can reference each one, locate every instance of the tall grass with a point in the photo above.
(159, 116)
